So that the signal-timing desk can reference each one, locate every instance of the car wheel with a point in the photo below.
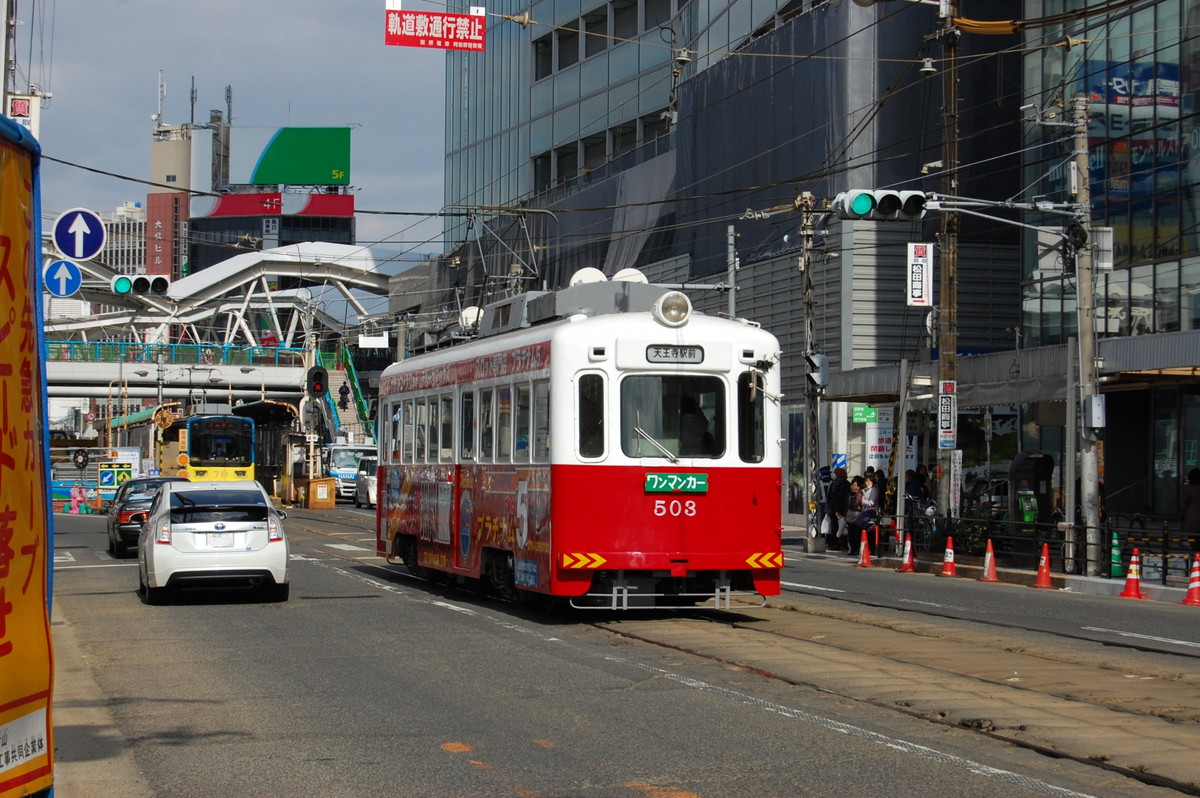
(151, 595)
(112, 545)
(357, 503)
(117, 549)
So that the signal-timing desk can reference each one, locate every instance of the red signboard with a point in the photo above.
(435, 29)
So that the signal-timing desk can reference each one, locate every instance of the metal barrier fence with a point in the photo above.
(187, 354)
(1165, 554)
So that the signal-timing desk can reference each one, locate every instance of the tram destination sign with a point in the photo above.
(676, 483)
(669, 353)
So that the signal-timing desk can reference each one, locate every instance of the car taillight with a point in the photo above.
(164, 534)
(123, 516)
(274, 532)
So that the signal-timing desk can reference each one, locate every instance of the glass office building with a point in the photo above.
(1139, 70)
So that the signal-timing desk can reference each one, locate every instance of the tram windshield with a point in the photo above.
(672, 416)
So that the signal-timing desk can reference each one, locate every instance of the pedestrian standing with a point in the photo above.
(854, 515)
(1190, 510)
(837, 500)
(344, 395)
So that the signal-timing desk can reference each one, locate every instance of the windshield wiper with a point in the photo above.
(665, 451)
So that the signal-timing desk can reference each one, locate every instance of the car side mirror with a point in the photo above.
(282, 515)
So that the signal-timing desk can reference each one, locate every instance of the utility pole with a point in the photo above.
(812, 392)
(948, 241)
(1090, 401)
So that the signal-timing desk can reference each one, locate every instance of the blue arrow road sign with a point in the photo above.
(79, 234)
(62, 278)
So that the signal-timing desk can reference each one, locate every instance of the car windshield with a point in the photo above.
(347, 458)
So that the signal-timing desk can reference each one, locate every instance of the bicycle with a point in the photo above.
(921, 518)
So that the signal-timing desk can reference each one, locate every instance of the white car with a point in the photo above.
(212, 534)
(365, 482)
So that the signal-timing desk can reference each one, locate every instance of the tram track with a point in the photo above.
(1124, 711)
(1123, 707)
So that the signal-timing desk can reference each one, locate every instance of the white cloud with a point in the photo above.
(288, 62)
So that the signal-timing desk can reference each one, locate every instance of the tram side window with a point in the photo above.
(487, 424)
(467, 426)
(591, 415)
(750, 420)
(434, 428)
(409, 418)
(521, 422)
(446, 420)
(394, 434)
(419, 429)
(541, 421)
(503, 422)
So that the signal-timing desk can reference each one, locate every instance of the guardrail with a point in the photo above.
(1166, 555)
(187, 354)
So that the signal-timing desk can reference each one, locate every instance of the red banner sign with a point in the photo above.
(435, 29)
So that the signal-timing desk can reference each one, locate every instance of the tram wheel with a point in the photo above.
(407, 549)
(501, 576)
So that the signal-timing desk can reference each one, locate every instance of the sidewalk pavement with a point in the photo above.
(91, 757)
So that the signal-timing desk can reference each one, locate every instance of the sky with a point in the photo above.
(304, 63)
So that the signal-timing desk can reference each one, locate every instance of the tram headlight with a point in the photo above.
(672, 308)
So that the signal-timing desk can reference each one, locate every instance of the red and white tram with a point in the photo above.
(603, 443)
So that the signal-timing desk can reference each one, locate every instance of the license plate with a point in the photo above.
(220, 540)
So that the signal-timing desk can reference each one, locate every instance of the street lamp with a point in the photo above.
(109, 420)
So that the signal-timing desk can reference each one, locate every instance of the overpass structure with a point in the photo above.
(222, 334)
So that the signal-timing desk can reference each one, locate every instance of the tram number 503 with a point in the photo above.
(674, 507)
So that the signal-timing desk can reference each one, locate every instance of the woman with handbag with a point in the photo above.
(854, 515)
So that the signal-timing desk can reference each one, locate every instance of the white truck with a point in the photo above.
(340, 460)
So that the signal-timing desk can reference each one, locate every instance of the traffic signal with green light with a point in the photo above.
(880, 205)
(140, 284)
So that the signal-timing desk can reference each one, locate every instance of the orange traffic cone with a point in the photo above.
(1133, 582)
(1043, 573)
(1193, 594)
(989, 565)
(864, 552)
(948, 568)
(907, 566)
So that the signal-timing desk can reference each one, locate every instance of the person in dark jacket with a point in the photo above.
(837, 501)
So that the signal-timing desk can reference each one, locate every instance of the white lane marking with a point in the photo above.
(1143, 637)
(812, 587)
(345, 547)
(937, 605)
(1007, 776)
(63, 556)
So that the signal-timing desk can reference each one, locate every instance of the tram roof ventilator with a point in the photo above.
(588, 299)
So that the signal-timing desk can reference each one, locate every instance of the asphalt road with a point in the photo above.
(368, 682)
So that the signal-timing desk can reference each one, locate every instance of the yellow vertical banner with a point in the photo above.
(26, 664)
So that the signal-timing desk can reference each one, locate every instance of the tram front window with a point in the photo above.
(672, 416)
